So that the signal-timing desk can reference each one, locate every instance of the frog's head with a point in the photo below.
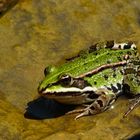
(65, 89)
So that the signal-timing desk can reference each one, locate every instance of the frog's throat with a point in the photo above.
(72, 95)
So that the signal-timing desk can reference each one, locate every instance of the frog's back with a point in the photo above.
(97, 55)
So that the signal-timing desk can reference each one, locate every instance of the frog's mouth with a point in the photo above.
(71, 95)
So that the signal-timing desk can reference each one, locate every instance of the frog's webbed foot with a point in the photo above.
(135, 103)
(103, 102)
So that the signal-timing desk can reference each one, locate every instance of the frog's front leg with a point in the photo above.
(104, 101)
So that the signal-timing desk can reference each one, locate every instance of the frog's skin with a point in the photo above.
(97, 77)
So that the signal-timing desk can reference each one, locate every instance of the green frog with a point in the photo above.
(95, 78)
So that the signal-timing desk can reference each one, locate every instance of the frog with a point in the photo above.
(95, 78)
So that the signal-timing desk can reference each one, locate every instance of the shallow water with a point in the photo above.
(34, 35)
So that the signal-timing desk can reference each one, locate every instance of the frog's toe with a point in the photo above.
(75, 111)
(81, 111)
(84, 113)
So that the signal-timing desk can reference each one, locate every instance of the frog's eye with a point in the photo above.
(65, 80)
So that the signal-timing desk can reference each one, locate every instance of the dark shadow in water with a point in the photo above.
(136, 137)
(43, 108)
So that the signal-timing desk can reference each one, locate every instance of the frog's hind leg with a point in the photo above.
(104, 101)
(135, 103)
(132, 85)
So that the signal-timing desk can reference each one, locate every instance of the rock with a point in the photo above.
(36, 34)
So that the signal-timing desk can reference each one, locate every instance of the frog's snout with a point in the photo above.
(41, 90)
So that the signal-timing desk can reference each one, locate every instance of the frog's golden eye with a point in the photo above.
(65, 79)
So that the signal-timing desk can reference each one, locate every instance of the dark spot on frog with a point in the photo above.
(129, 53)
(130, 71)
(119, 46)
(114, 88)
(119, 86)
(131, 79)
(92, 95)
(85, 68)
(108, 61)
(97, 61)
(92, 107)
(105, 77)
(138, 73)
(119, 58)
(92, 48)
(135, 52)
(128, 46)
(84, 56)
(121, 52)
(114, 75)
(136, 62)
(121, 71)
(89, 75)
(95, 83)
(95, 53)
(110, 44)
(100, 103)
(114, 69)
(108, 87)
(126, 88)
